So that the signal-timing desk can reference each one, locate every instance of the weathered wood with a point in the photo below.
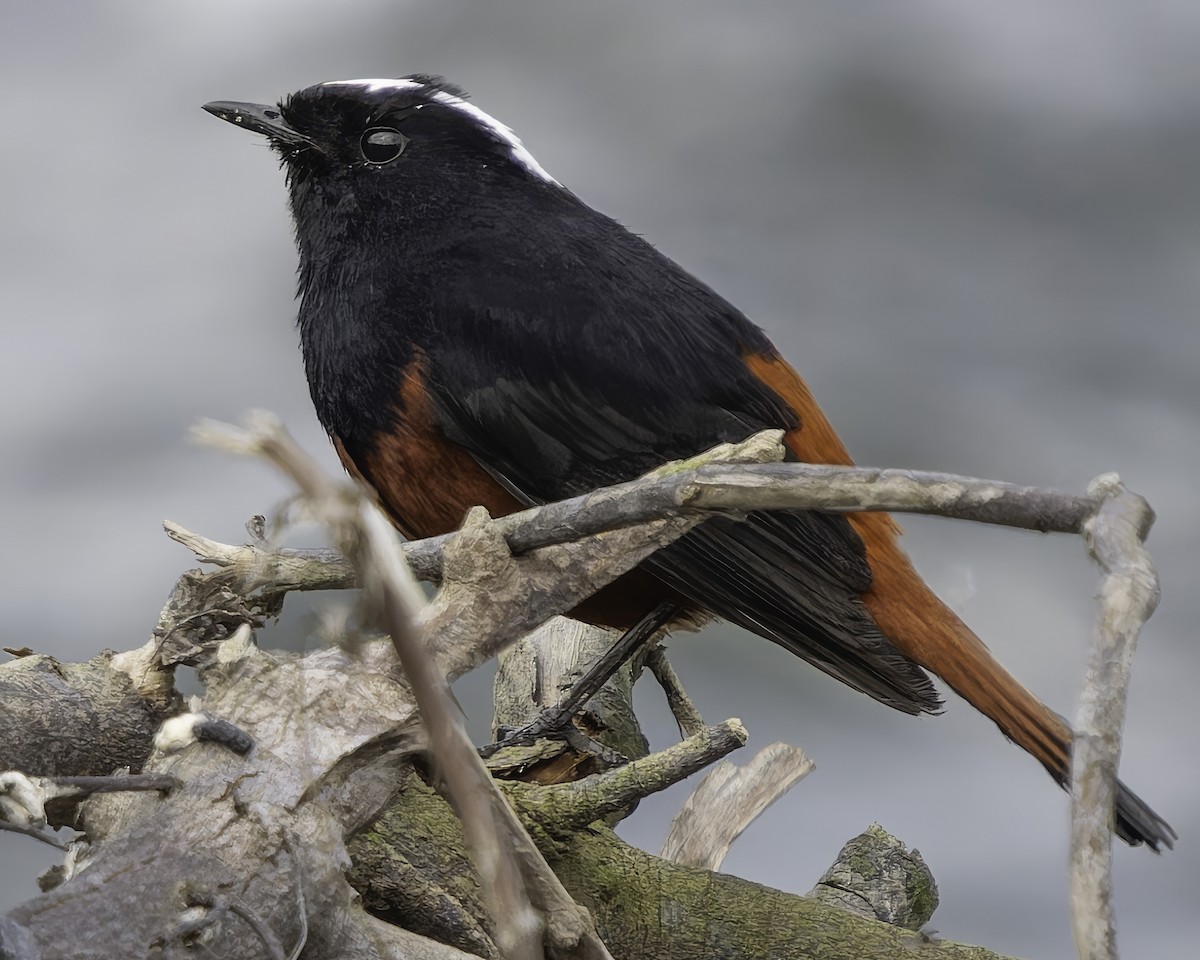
(728, 800)
(86, 719)
(1127, 598)
(645, 908)
(269, 825)
(876, 876)
(248, 854)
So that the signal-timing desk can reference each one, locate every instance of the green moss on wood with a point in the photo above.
(645, 908)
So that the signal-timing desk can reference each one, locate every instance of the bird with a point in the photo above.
(474, 334)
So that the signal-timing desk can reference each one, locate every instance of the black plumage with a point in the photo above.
(564, 352)
(460, 310)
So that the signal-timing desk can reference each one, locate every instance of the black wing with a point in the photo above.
(565, 391)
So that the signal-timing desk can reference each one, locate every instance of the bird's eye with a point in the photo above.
(382, 144)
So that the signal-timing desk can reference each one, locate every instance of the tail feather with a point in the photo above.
(921, 627)
(928, 632)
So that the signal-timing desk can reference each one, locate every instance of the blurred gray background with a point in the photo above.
(972, 227)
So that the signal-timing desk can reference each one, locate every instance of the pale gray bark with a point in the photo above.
(247, 856)
(728, 800)
(1128, 595)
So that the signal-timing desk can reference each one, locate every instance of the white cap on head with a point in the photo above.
(516, 149)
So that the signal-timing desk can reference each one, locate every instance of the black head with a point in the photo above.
(390, 181)
(419, 130)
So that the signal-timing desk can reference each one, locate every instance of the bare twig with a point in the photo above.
(469, 785)
(581, 802)
(719, 487)
(84, 786)
(284, 569)
(24, 799)
(1128, 596)
(682, 708)
(35, 832)
(779, 486)
(728, 800)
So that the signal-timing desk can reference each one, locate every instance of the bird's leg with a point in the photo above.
(554, 720)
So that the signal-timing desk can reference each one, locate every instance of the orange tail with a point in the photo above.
(926, 631)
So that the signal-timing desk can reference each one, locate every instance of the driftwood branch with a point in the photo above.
(335, 732)
(728, 800)
(505, 858)
(700, 490)
(738, 488)
(268, 823)
(1128, 595)
(626, 889)
(595, 797)
(289, 694)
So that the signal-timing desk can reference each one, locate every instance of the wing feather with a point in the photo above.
(554, 419)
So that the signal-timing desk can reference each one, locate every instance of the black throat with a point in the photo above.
(368, 254)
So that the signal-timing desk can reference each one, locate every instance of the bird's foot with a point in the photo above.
(555, 723)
